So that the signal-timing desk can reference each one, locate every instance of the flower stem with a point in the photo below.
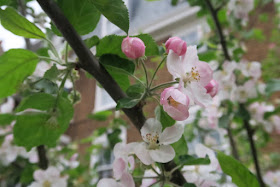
(47, 58)
(153, 77)
(145, 71)
(163, 85)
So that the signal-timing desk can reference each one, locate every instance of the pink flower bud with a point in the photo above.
(177, 45)
(212, 87)
(133, 47)
(175, 103)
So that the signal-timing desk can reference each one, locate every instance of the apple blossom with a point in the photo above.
(212, 87)
(246, 91)
(156, 146)
(146, 182)
(49, 177)
(272, 179)
(241, 8)
(194, 75)
(250, 69)
(175, 103)
(133, 47)
(177, 45)
(125, 181)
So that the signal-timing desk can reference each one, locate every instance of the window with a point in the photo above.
(103, 100)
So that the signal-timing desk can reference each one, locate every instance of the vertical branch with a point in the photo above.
(250, 134)
(43, 161)
(219, 29)
(245, 121)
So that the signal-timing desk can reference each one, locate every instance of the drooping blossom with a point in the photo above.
(156, 146)
(133, 47)
(194, 75)
(50, 177)
(212, 87)
(175, 103)
(177, 45)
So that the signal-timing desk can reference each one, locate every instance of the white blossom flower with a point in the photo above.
(49, 178)
(156, 146)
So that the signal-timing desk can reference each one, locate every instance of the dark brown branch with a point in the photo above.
(43, 161)
(219, 29)
(254, 151)
(90, 63)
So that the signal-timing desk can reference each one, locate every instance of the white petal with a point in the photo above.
(174, 64)
(200, 95)
(171, 134)
(151, 126)
(119, 150)
(142, 153)
(164, 154)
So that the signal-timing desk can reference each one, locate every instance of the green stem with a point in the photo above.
(66, 53)
(136, 78)
(146, 73)
(155, 171)
(47, 58)
(174, 169)
(163, 85)
(153, 77)
(54, 50)
(61, 87)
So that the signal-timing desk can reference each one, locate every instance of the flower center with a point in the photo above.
(192, 76)
(153, 141)
(172, 102)
(46, 184)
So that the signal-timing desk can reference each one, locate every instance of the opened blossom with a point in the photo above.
(175, 103)
(156, 146)
(133, 47)
(194, 75)
(177, 45)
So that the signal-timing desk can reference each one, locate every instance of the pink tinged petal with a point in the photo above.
(131, 163)
(142, 153)
(127, 180)
(151, 128)
(177, 45)
(179, 114)
(200, 95)
(171, 134)
(119, 167)
(190, 59)
(108, 182)
(174, 65)
(205, 72)
(164, 154)
(212, 87)
(39, 175)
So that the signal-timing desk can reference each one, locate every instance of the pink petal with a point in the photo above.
(205, 72)
(119, 167)
(127, 180)
(108, 182)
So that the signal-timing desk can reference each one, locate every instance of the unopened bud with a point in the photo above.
(133, 47)
(212, 87)
(177, 45)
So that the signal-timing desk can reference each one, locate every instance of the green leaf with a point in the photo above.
(192, 160)
(19, 25)
(46, 86)
(112, 45)
(42, 128)
(127, 102)
(240, 175)
(6, 119)
(115, 63)
(92, 41)
(181, 148)
(5, 2)
(15, 66)
(207, 56)
(189, 185)
(81, 14)
(272, 85)
(115, 11)
(136, 90)
(224, 121)
(118, 68)
(269, 114)
(101, 116)
(163, 117)
(52, 73)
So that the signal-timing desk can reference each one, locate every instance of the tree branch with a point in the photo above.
(90, 63)
(254, 151)
(219, 29)
(43, 160)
